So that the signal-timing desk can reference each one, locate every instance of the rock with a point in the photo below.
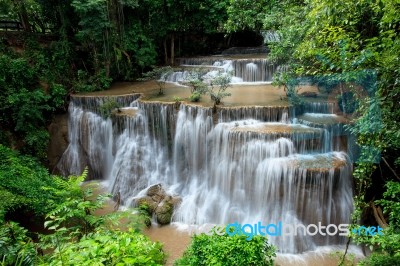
(148, 201)
(164, 212)
(160, 203)
(58, 130)
(156, 192)
(176, 201)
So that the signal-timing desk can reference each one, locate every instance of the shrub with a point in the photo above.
(195, 97)
(108, 106)
(381, 260)
(218, 86)
(16, 248)
(227, 251)
(22, 182)
(159, 75)
(106, 247)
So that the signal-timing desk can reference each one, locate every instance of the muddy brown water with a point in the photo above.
(261, 94)
(175, 241)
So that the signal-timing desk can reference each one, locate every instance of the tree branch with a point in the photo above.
(378, 215)
(391, 169)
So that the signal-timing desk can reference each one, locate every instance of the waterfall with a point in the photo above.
(242, 70)
(244, 164)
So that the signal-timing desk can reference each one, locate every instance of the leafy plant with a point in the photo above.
(87, 83)
(227, 250)
(108, 106)
(218, 87)
(105, 247)
(196, 82)
(195, 97)
(22, 182)
(145, 213)
(16, 248)
(159, 75)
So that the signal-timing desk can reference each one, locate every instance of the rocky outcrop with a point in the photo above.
(160, 204)
(58, 130)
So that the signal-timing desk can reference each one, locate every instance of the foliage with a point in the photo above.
(227, 250)
(105, 247)
(287, 19)
(22, 182)
(289, 82)
(218, 87)
(30, 93)
(246, 14)
(16, 248)
(78, 230)
(195, 97)
(108, 106)
(391, 203)
(387, 246)
(380, 260)
(145, 212)
(159, 75)
(177, 99)
(141, 50)
(86, 83)
(78, 235)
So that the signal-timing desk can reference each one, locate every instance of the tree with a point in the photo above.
(344, 42)
(218, 87)
(246, 14)
(160, 76)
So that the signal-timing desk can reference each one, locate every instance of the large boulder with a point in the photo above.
(164, 211)
(146, 200)
(160, 203)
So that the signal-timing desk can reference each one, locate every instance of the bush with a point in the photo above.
(387, 246)
(106, 247)
(227, 251)
(195, 97)
(80, 237)
(108, 106)
(159, 75)
(221, 81)
(16, 248)
(381, 260)
(22, 182)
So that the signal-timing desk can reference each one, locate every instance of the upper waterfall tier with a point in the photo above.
(241, 164)
(258, 69)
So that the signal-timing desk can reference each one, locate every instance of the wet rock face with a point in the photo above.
(58, 130)
(164, 211)
(160, 203)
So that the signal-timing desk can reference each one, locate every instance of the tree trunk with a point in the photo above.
(172, 49)
(23, 14)
(165, 52)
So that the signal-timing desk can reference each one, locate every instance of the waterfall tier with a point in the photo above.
(244, 164)
(242, 69)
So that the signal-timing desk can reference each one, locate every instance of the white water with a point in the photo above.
(255, 70)
(253, 165)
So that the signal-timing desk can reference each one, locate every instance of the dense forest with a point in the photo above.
(64, 47)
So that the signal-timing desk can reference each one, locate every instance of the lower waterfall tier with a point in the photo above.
(254, 165)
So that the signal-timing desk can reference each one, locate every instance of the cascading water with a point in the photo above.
(242, 70)
(250, 164)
